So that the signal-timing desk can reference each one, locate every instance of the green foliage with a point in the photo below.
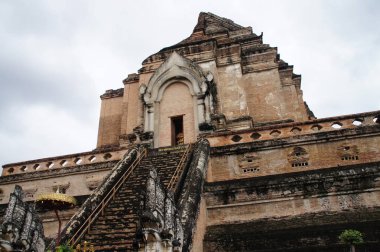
(64, 248)
(351, 237)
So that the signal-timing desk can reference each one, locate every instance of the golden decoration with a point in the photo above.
(55, 200)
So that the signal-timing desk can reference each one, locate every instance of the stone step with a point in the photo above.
(121, 245)
(116, 229)
(122, 227)
(109, 235)
(112, 248)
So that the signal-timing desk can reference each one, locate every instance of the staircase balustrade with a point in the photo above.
(106, 200)
(178, 171)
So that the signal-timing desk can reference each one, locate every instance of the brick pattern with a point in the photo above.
(251, 80)
(60, 162)
(176, 101)
(304, 211)
(269, 160)
(116, 229)
(109, 122)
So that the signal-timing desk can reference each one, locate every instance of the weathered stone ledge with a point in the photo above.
(308, 232)
(246, 143)
(54, 173)
(64, 161)
(371, 171)
(112, 93)
(345, 121)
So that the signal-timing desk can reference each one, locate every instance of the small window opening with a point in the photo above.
(297, 164)
(249, 170)
(357, 122)
(107, 156)
(236, 138)
(336, 125)
(350, 158)
(255, 135)
(376, 119)
(77, 161)
(92, 158)
(177, 130)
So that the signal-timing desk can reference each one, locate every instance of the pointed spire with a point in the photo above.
(210, 24)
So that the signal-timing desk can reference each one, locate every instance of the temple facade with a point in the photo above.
(211, 147)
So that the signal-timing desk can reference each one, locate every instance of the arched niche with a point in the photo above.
(176, 124)
(176, 70)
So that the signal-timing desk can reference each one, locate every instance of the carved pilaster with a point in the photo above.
(21, 229)
(159, 219)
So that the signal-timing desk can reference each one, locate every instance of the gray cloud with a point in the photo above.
(57, 57)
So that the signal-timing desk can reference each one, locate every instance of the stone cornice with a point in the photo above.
(112, 93)
(227, 141)
(296, 140)
(288, 180)
(321, 218)
(96, 151)
(132, 78)
(54, 173)
(294, 124)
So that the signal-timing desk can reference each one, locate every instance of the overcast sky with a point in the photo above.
(58, 57)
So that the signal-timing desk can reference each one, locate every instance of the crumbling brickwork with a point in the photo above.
(264, 175)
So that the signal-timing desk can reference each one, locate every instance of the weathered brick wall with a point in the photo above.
(283, 205)
(77, 181)
(318, 155)
(251, 79)
(132, 108)
(111, 112)
(261, 95)
(301, 211)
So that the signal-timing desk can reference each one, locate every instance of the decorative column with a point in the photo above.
(201, 109)
(149, 118)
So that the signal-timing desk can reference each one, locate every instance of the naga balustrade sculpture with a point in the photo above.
(21, 229)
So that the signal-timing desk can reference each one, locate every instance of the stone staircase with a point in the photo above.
(115, 230)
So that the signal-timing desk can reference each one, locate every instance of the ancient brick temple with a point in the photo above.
(211, 147)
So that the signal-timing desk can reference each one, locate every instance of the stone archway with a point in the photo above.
(176, 71)
(176, 102)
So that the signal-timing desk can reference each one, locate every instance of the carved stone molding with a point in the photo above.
(249, 163)
(60, 187)
(93, 181)
(178, 68)
(29, 192)
(298, 157)
(21, 227)
(348, 152)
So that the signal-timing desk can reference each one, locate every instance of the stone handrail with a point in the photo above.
(120, 170)
(177, 174)
(190, 196)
